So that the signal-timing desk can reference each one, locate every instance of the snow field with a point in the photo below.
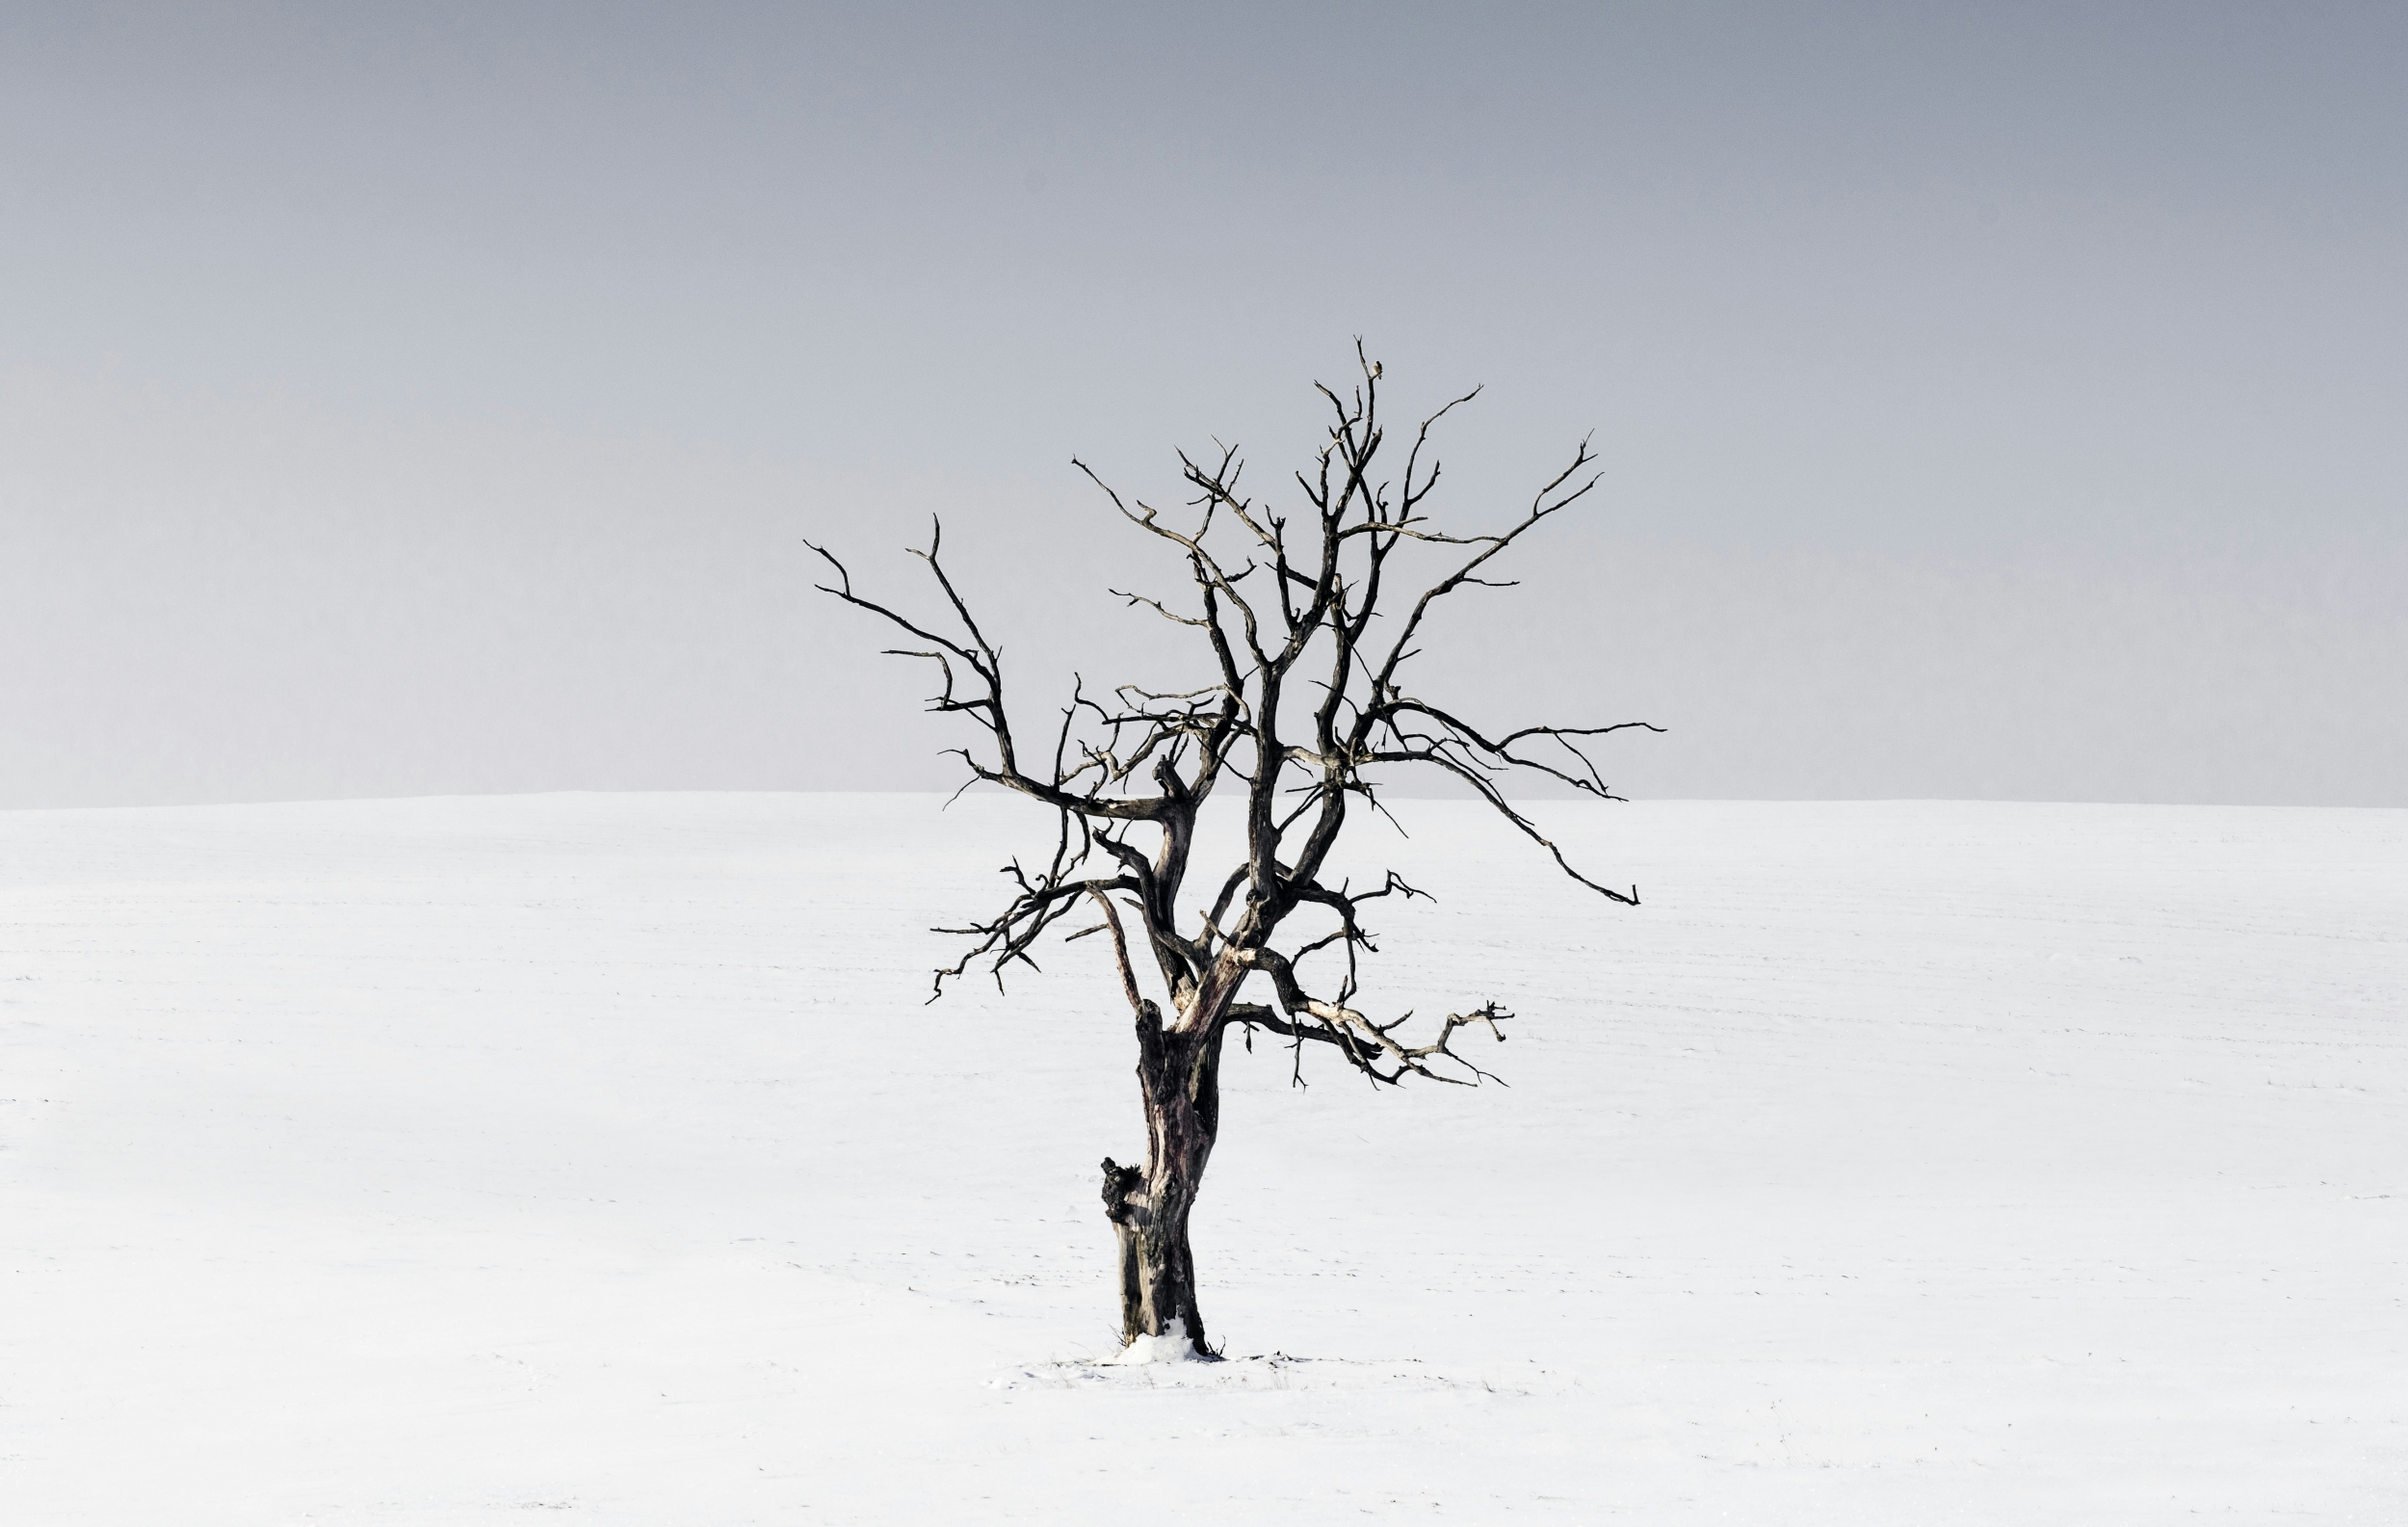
(446, 1161)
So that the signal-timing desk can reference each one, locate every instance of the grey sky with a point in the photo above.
(1996, 401)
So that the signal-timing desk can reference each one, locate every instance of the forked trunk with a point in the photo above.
(1179, 1075)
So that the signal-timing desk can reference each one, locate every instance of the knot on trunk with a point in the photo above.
(1124, 1192)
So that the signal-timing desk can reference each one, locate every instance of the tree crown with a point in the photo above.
(1308, 708)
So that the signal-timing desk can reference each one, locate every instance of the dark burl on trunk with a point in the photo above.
(1148, 760)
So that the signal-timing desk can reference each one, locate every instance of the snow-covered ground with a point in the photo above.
(449, 1161)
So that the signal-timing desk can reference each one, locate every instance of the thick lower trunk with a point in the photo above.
(1179, 1075)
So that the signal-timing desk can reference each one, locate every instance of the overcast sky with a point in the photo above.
(1995, 401)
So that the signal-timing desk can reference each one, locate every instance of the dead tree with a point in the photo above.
(1306, 708)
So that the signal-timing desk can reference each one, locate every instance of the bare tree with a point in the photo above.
(1304, 711)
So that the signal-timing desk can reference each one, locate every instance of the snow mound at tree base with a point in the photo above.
(1173, 1345)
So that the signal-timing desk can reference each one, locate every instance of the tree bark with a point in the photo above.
(1179, 1077)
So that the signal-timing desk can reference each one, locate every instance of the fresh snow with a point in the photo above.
(448, 1161)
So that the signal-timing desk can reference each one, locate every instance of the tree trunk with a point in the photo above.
(1179, 1075)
